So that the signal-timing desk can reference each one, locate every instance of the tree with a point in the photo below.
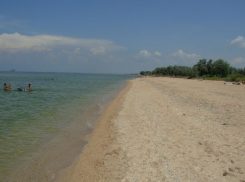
(145, 73)
(170, 70)
(221, 68)
(193, 72)
(210, 67)
(202, 67)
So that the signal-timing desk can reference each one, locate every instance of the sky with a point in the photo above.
(127, 36)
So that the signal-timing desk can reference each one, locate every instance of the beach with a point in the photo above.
(167, 129)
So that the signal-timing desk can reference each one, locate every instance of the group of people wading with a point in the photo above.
(21, 88)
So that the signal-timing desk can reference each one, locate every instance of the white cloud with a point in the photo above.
(158, 53)
(77, 51)
(144, 53)
(64, 52)
(145, 56)
(17, 42)
(41, 49)
(238, 60)
(182, 55)
(73, 56)
(98, 50)
(182, 58)
(239, 41)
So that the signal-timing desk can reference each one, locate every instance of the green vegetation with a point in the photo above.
(208, 70)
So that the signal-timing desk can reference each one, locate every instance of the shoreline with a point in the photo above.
(90, 167)
(167, 129)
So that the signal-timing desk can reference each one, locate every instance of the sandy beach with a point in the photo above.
(167, 129)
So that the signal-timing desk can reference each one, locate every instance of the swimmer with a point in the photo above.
(6, 87)
(29, 87)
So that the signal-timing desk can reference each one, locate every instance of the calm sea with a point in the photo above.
(42, 131)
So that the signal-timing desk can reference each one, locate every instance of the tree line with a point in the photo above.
(203, 68)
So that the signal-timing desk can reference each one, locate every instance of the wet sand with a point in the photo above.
(167, 129)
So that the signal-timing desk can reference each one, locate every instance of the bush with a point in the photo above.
(235, 78)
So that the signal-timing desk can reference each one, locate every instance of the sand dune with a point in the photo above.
(167, 129)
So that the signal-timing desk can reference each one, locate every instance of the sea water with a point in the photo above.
(42, 131)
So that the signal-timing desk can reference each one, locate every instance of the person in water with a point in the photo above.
(6, 87)
(29, 87)
(21, 88)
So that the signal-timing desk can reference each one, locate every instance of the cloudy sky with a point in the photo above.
(127, 36)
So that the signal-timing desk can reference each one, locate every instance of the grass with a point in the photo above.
(235, 78)
(229, 78)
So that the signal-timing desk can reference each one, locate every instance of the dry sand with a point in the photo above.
(167, 129)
